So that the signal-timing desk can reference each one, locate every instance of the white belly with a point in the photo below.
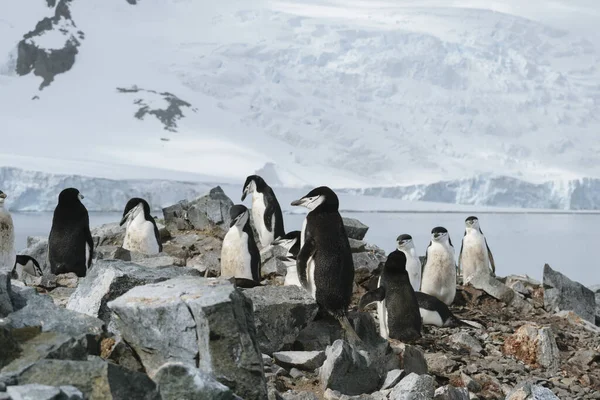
(310, 277)
(235, 257)
(291, 276)
(439, 274)
(474, 258)
(382, 316)
(258, 218)
(413, 267)
(8, 256)
(431, 317)
(140, 236)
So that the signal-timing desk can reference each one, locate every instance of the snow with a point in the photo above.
(350, 94)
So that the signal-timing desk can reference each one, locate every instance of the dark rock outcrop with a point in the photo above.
(563, 294)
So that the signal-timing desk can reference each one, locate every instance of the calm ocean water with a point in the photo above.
(521, 243)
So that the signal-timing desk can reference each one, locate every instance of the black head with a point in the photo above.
(404, 238)
(70, 196)
(2, 196)
(322, 198)
(133, 207)
(239, 215)
(472, 222)
(287, 240)
(396, 261)
(253, 182)
(439, 233)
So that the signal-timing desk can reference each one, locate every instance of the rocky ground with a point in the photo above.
(166, 327)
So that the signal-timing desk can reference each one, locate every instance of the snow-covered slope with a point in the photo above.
(343, 93)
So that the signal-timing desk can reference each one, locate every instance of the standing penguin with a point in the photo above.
(475, 256)
(70, 245)
(266, 212)
(291, 242)
(325, 265)
(397, 307)
(413, 263)
(7, 237)
(240, 257)
(439, 270)
(141, 232)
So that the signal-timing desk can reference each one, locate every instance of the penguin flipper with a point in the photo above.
(491, 257)
(90, 242)
(425, 260)
(371, 297)
(268, 216)
(459, 265)
(157, 236)
(307, 251)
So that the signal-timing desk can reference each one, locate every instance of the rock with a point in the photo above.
(357, 246)
(414, 387)
(280, 312)
(534, 346)
(42, 392)
(96, 379)
(37, 247)
(318, 335)
(158, 261)
(519, 287)
(347, 371)
(69, 280)
(585, 357)
(205, 323)
(500, 291)
(365, 265)
(471, 384)
(296, 373)
(355, 229)
(111, 279)
(112, 253)
(528, 391)
(293, 395)
(201, 214)
(440, 363)
(413, 360)
(6, 306)
(451, 393)
(61, 296)
(9, 347)
(392, 378)
(563, 294)
(304, 360)
(463, 340)
(121, 354)
(178, 381)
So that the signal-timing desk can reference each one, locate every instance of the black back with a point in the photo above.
(255, 265)
(404, 318)
(273, 209)
(132, 203)
(69, 234)
(432, 303)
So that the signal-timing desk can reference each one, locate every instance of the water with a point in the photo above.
(521, 243)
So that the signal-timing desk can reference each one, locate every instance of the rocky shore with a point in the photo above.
(167, 327)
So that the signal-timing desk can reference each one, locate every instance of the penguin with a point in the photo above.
(438, 277)
(475, 256)
(70, 245)
(141, 232)
(7, 237)
(324, 265)
(291, 242)
(434, 312)
(397, 306)
(266, 212)
(26, 264)
(413, 263)
(240, 257)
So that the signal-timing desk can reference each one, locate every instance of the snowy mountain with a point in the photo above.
(474, 101)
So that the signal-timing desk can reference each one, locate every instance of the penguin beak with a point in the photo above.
(245, 193)
(126, 216)
(80, 196)
(235, 220)
(2, 195)
(436, 235)
(299, 202)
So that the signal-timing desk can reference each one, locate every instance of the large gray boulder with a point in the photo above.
(355, 229)
(563, 294)
(201, 214)
(414, 387)
(529, 391)
(42, 392)
(112, 278)
(205, 323)
(280, 313)
(178, 381)
(6, 306)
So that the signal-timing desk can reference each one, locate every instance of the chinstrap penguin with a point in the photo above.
(435, 312)
(70, 245)
(7, 237)
(325, 267)
(397, 307)
(439, 269)
(413, 264)
(291, 242)
(26, 265)
(266, 212)
(475, 257)
(240, 257)
(141, 232)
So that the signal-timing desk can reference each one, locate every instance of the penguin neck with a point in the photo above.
(472, 231)
(410, 252)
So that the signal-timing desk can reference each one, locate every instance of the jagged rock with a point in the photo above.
(43, 392)
(463, 340)
(451, 393)
(178, 381)
(414, 387)
(37, 247)
(112, 278)
(205, 323)
(200, 214)
(585, 357)
(318, 335)
(563, 294)
(392, 378)
(528, 391)
(365, 265)
(9, 347)
(304, 360)
(534, 346)
(61, 296)
(471, 384)
(357, 246)
(112, 253)
(293, 395)
(120, 353)
(69, 280)
(111, 234)
(6, 306)
(158, 261)
(96, 379)
(440, 363)
(347, 370)
(355, 229)
(413, 360)
(500, 291)
(280, 312)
